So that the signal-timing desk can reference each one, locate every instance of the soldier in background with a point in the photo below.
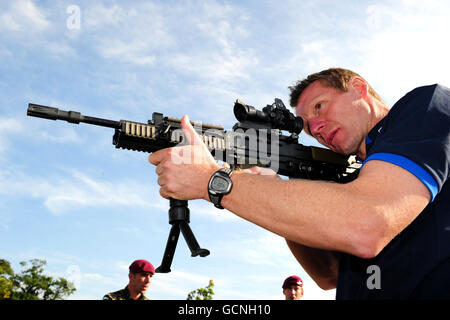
(293, 288)
(140, 277)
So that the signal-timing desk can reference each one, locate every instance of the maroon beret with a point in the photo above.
(292, 281)
(142, 266)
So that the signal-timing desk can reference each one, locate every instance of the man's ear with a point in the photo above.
(360, 86)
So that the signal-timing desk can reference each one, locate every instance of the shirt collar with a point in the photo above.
(374, 133)
(372, 136)
(141, 297)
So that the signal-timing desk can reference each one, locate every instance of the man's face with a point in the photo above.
(140, 281)
(293, 292)
(338, 120)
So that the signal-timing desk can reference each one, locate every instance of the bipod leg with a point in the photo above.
(191, 241)
(169, 252)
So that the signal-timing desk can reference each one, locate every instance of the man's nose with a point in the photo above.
(316, 126)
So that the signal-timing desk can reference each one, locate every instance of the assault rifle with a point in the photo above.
(257, 138)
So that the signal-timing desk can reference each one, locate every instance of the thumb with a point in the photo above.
(191, 135)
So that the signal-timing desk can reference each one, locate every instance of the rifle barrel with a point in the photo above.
(36, 110)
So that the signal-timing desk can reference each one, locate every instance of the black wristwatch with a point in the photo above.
(219, 185)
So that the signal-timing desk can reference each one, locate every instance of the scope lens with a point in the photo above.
(242, 111)
(297, 125)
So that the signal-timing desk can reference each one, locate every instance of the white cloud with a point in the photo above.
(64, 135)
(79, 190)
(122, 266)
(407, 50)
(128, 51)
(268, 258)
(313, 292)
(93, 276)
(396, 46)
(177, 283)
(76, 189)
(60, 49)
(133, 231)
(266, 250)
(127, 35)
(8, 128)
(202, 44)
(24, 16)
(14, 128)
(84, 191)
(28, 26)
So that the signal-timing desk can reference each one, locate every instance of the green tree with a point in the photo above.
(5, 284)
(31, 283)
(202, 293)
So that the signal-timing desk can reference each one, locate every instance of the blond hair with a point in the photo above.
(337, 78)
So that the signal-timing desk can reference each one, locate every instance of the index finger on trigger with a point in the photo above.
(156, 157)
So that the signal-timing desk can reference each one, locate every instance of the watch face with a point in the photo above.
(219, 184)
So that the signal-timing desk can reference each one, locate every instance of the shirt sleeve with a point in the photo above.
(416, 136)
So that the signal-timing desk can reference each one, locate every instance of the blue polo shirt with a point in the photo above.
(414, 135)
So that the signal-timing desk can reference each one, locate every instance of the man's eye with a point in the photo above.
(318, 106)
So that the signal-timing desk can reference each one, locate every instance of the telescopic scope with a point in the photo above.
(276, 116)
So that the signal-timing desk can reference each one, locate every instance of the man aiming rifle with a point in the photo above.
(257, 138)
(395, 215)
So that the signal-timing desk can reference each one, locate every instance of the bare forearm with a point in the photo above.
(294, 210)
(321, 265)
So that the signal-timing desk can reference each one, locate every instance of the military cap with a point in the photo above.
(142, 266)
(292, 281)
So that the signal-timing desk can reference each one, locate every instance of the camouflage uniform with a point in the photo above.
(123, 294)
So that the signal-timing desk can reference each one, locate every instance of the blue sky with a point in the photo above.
(68, 196)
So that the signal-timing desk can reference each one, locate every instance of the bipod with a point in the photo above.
(179, 219)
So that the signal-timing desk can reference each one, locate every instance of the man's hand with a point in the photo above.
(262, 172)
(184, 172)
